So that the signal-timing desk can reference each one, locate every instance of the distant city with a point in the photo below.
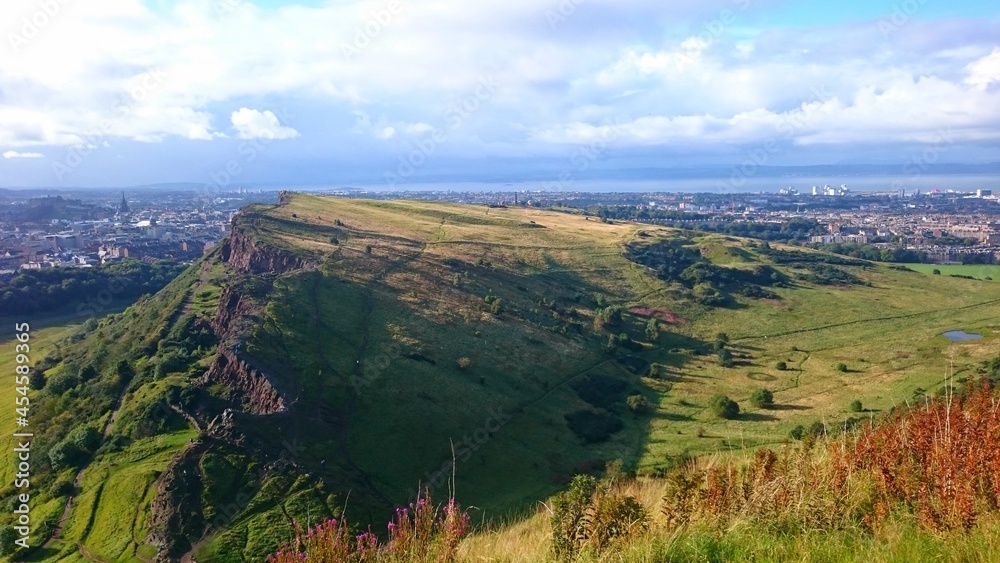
(89, 227)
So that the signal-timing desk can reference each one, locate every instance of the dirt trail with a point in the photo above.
(206, 269)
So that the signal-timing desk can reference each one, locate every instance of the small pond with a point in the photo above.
(961, 336)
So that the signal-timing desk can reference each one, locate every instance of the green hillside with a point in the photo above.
(341, 353)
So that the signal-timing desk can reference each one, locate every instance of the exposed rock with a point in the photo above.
(251, 387)
(175, 513)
(250, 256)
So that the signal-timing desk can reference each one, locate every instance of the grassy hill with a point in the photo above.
(341, 352)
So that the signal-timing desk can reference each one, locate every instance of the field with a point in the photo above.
(975, 270)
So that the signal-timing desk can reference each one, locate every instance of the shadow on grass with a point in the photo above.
(790, 408)
(756, 417)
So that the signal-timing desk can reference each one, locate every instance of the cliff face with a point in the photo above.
(246, 255)
(175, 513)
(251, 387)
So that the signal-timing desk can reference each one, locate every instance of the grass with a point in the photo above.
(978, 271)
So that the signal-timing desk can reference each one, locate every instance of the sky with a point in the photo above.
(227, 93)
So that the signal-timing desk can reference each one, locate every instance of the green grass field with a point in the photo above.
(975, 270)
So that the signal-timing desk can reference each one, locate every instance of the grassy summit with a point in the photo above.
(341, 352)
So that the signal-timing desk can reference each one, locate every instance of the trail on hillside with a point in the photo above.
(206, 269)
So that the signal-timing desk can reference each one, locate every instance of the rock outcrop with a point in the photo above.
(247, 255)
(251, 388)
(175, 513)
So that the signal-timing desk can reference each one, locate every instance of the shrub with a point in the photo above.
(762, 399)
(464, 363)
(842, 368)
(726, 358)
(592, 516)
(637, 404)
(593, 427)
(781, 366)
(724, 407)
(62, 383)
(856, 406)
(936, 272)
(368, 249)
(653, 330)
(797, 433)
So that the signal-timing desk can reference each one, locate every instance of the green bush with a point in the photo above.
(781, 366)
(726, 358)
(856, 406)
(724, 407)
(637, 404)
(593, 427)
(762, 398)
(62, 383)
(842, 368)
(798, 432)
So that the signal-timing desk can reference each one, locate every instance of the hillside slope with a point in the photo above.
(338, 352)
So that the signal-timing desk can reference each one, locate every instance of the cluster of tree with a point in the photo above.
(35, 291)
(875, 254)
(632, 213)
(711, 285)
(792, 231)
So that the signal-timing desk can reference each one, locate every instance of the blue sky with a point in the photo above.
(393, 92)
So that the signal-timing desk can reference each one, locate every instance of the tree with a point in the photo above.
(726, 358)
(781, 365)
(762, 399)
(724, 407)
(653, 330)
(637, 404)
(7, 537)
(856, 406)
(65, 454)
(88, 372)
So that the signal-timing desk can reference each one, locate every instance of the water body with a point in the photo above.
(961, 336)
(804, 184)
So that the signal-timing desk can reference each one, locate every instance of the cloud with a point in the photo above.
(985, 71)
(16, 154)
(386, 133)
(255, 124)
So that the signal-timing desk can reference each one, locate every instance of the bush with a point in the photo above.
(762, 399)
(724, 407)
(593, 427)
(653, 330)
(591, 516)
(66, 454)
(637, 404)
(464, 363)
(726, 358)
(797, 433)
(842, 368)
(62, 383)
(781, 366)
(936, 272)
(856, 406)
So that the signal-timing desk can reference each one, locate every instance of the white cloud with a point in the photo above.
(985, 71)
(152, 76)
(253, 124)
(15, 154)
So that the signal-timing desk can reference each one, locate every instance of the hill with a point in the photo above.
(341, 352)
